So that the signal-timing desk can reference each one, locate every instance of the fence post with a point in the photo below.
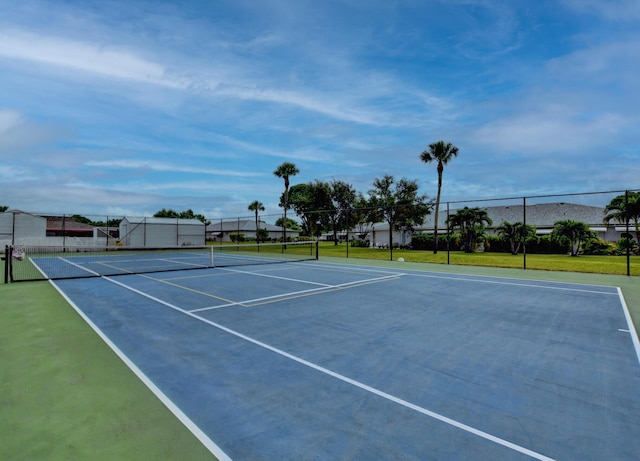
(448, 238)
(524, 240)
(7, 258)
(627, 216)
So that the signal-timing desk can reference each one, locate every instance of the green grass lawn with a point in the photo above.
(66, 396)
(616, 265)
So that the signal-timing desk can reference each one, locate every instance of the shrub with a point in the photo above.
(235, 238)
(626, 242)
(425, 242)
(545, 245)
(596, 246)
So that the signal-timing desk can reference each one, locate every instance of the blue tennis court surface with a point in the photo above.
(318, 361)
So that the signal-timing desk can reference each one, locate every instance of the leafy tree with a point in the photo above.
(291, 224)
(398, 204)
(341, 199)
(257, 207)
(442, 153)
(308, 201)
(81, 219)
(625, 208)
(516, 234)
(285, 171)
(571, 233)
(471, 224)
(360, 215)
(3, 208)
(188, 214)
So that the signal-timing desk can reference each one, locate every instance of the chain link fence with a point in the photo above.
(529, 232)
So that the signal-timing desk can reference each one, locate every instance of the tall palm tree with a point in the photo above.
(284, 171)
(625, 208)
(256, 206)
(442, 153)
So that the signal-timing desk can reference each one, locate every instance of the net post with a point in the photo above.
(317, 249)
(211, 262)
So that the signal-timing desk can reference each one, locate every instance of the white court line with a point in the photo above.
(78, 266)
(293, 294)
(632, 329)
(519, 284)
(399, 401)
(182, 417)
(262, 274)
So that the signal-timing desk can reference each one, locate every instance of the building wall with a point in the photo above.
(21, 228)
(161, 232)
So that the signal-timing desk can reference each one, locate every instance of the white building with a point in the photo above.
(222, 231)
(20, 228)
(161, 232)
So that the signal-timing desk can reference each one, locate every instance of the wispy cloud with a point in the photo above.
(168, 167)
(86, 57)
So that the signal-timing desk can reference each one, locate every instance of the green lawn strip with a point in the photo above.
(616, 265)
(65, 395)
(629, 285)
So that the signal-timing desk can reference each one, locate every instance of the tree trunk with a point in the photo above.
(435, 223)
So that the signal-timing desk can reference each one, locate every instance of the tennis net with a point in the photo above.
(53, 263)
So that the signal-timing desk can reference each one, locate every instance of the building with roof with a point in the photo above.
(161, 232)
(222, 231)
(541, 216)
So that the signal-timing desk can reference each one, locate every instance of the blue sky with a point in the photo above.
(124, 108)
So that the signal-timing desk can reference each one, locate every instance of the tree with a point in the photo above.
(3, 208)
(284, 171)
(360, 215)
(571, 233)
(188, 214)
(310, 202)
(290, 224)
(442, 153)
(341, 199)
(471, 223)
(516, 234)
(257, 207)
(398, 204)
(625, 208)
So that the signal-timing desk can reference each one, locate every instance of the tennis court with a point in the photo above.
(310, 360)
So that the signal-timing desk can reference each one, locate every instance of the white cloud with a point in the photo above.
(613, 10)
(159, 166)
(82, 56)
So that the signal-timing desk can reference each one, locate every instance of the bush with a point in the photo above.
(626, 242)
(495, 244)
(596, 246)
(236, 238)
(425, 242)
(544, 245)
(357, 243)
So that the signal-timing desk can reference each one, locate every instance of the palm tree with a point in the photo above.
(625, 208)
(441, 152)
(284, 171)
(516, 234)
(256, 206)
(472, 224)
(572, 233)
